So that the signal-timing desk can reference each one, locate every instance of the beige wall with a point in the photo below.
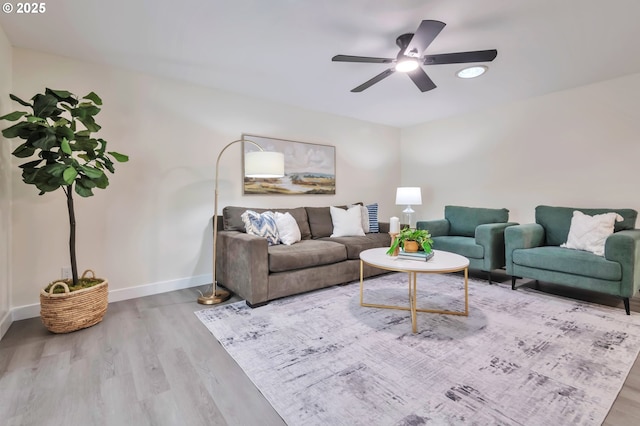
(5, 186)
(152, 224)
(578, 148)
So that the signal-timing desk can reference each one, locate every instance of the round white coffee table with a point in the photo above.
(441, 263)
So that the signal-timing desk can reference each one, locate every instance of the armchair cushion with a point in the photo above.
(464, 220)
(436, 228)
(557, 221)
(573, 262)
(463, 246)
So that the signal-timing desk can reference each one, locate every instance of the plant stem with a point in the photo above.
(72, 234)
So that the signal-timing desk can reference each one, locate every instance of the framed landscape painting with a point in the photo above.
(308, 168)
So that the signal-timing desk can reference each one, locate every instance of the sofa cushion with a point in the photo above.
(232, 221)
(464, 246)
(464, 220)
(305, 254)
(569, 261)
(355, 245)
(320, 223)
(556, 221)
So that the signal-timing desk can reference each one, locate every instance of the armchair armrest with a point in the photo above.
(242, 265)
(624, 247)
(491, 237)
(436, 228)
(516, 237)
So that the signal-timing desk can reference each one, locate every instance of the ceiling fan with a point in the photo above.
(410, 56)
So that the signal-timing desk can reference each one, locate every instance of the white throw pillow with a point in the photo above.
(346, 223)
(589, 233)
(288, 228)
(364, 214)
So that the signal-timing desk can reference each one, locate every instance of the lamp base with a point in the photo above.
(215, 298)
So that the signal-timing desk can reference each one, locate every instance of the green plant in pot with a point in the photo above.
(63, 154)
(421, 236)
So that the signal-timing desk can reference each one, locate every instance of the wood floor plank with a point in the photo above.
(190, 395)
(152, 362)
(121, 406)
(16, 389)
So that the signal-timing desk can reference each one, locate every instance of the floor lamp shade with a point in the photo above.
(264, 164)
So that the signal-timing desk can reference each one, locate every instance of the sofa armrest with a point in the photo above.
(525, 236)
(491, 237)
(242, 265)
(437, 228)
(624, 247)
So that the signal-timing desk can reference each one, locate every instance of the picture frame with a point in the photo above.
(309, 168)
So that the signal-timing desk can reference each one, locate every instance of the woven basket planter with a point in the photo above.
(71, 311)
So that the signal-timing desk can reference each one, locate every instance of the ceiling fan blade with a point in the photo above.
(424, 35)
(421, 79)
(367, 59)
(461, 57)
(374, 80)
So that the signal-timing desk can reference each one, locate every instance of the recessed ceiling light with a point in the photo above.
(407, 65)
(472, 72)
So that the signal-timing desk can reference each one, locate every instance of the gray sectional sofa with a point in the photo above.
(258, 273)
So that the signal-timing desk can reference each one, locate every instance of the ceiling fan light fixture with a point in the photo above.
(472, 72)
(406, 65)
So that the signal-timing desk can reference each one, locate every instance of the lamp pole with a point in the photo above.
(217, 295)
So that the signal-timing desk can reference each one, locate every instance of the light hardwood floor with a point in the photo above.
(151, 362)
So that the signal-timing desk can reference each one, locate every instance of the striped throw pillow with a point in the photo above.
(373, 217)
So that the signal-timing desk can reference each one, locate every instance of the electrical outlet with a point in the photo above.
(66, 273)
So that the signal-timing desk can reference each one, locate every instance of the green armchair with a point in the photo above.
(473, 232)
(533, 251)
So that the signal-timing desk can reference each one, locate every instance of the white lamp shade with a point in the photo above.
(264, 164)
(409, 195)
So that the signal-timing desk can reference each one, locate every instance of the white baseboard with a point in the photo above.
(31, 311)
(5, 323)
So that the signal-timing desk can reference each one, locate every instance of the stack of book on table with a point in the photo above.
(420, 255)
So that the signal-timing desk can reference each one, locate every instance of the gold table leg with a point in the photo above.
(413, 295)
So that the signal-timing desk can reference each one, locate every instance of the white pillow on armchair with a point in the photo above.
(590, 233)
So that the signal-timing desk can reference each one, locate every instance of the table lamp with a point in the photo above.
(408, 196)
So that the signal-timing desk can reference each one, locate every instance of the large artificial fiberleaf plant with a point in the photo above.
(67, 155)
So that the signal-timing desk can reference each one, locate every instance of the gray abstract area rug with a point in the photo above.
(519, 358)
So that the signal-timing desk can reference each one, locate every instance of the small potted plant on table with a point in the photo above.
(412, 240)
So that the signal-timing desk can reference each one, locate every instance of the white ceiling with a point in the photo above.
(281, 50)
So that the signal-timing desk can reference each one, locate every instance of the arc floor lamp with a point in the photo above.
(257, 164)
